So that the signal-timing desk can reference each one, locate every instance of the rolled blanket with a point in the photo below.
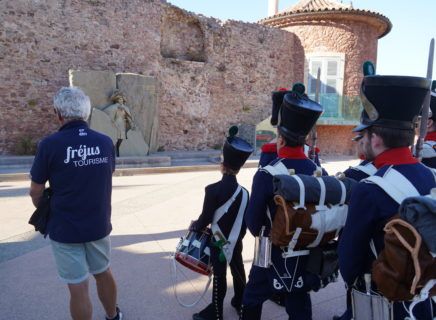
(420, 212)
(288, 187)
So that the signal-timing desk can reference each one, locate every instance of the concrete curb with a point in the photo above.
(7, 177)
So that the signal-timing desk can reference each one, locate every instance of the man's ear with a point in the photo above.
(280, 141)
(376, 141)
(430, 123)
(60, 118)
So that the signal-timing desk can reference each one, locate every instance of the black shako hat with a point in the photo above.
(433, 101)
(391, 101)
(298, 115)
(235, 150)
(277, 100)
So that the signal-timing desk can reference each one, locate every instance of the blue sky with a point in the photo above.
(404, 51)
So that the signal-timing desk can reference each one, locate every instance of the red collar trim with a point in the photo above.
(269, 148)
(394, 157)
(431, 136)
(292, 153)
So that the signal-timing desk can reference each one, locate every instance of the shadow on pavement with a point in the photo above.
(13, 192)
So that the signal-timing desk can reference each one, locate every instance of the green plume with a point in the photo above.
(299, 88)
(368, 68)
(233, 131)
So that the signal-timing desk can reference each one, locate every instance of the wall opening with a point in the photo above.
(182, 38)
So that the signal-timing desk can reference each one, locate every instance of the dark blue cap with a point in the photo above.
(298, 115)
(235, 150)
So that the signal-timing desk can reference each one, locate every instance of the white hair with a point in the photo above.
(72, 103)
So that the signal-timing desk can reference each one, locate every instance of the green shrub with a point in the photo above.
(25, 146)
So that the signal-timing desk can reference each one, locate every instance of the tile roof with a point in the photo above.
(326, 9)
(317, 5)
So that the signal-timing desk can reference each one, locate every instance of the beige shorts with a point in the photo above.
(75, 261)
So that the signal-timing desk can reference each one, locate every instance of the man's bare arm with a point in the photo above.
(35, 192)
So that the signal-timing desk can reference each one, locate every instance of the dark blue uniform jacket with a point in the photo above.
(356, 174)
(262, 198)
(370, 208)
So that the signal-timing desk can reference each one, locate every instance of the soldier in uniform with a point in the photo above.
(298, 114)
(224, 206)
(365, 169)
(429, 146)
(392, 104)
(269, 150)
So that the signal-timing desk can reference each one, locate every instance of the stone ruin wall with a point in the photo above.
(209, 74)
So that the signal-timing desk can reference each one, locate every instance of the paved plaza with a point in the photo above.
(149, 214)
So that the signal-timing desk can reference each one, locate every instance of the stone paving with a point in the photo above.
(150, 213)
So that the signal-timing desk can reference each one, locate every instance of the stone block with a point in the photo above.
(247, 132)
(134, 145)
(98, 85)
(101, 122)
(140, 92)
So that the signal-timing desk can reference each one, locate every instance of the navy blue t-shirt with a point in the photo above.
(78, 164)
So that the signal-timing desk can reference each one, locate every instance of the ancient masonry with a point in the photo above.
(209, 74)
(203, 75)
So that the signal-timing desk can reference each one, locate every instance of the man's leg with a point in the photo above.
(98, 258)
(80, 304)
(299, 306)
(107, 292)
(239, 278)
(256, 292)
(72, 268)
(214, 311)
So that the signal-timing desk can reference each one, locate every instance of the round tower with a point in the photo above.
(336, 38)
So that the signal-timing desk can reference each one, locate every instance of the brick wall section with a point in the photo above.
(336, 140)
(222, 75)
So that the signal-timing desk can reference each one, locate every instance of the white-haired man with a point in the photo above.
(78, 164)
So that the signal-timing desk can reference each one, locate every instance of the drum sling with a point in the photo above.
(229, 244)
